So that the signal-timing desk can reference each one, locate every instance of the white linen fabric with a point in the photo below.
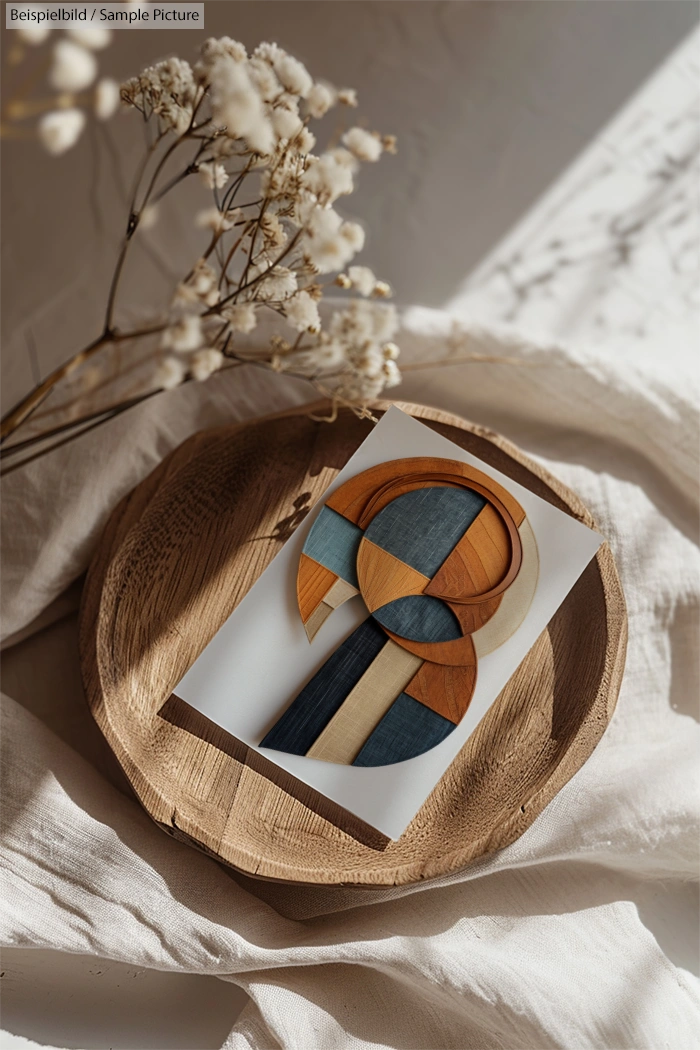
(578, 935)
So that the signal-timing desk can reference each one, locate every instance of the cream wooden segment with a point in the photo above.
(317, 619)
(366, 705)
(340, 592)
(515, 601)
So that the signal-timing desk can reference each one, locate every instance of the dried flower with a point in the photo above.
(205, 362)
(274, 233)
(92, 36)
(237, 106)
(217, 221)
(390, 371)
(213, 175)
(241, 316)
(328, 241)
(200, 287)
(184, 335)
(293, 75)
(33, 33)
(169, 374)
(348, 97)
(168, 90)
(354, 235)
(302, 312)
(61, 129)
(286, 124)
(213, 49)
(328, 179)
(320, 99)
(363, 144)
(73, 69)
(107, 95)
(278, 284)
(362, 279)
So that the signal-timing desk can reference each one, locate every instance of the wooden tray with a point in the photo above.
(180, 552)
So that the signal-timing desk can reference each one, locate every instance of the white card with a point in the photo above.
(261, 658)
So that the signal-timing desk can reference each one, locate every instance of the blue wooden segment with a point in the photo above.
(310, 712)
(422, 527)
(419, 618)
(408, 729)
(334, 542)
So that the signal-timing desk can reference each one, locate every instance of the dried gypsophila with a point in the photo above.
(72, 74)
(252, 115)
(274, 239)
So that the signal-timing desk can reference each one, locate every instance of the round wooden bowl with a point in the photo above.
(178, 554)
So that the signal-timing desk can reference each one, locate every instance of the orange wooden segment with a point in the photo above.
(383, 578)
(457, 653)
(446, 690)
(473, 617)
(351, 498)
(313, 583)
(479, 561)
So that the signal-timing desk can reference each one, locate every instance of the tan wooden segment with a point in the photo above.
(365, 705)
(383, 578)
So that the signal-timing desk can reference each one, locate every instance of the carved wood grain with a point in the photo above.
(383, 578)
(177, 556)
(314, 581)
(447, 690)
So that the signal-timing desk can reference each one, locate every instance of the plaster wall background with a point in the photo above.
(490, 99)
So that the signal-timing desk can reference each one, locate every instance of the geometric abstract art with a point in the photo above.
(446, 564)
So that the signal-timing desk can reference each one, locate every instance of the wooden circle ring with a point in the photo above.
(455, 480)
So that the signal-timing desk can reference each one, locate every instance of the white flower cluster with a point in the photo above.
(354, 359)
(166, 90)
(250, 116)
(73, 69)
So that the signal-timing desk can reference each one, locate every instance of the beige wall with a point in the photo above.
(490, 100)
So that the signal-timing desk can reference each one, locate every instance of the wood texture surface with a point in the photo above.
(447, 690)
(178, 554)
(365, 705)
(513, 605)
(481, 558)
(383, 577)
(314, 581)
(457, 652)
(352, 499)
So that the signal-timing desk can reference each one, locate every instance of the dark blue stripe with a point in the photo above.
(420, 618)
(334, 542)
(422, 527)
(320, 698)
(408, 729)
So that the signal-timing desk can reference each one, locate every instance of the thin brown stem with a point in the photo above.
(255, 280)
(23, 410)
(94, 420)
(28, 405)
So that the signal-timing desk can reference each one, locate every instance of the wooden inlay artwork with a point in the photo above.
(447, 566)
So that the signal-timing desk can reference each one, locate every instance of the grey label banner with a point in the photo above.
(115, 16)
